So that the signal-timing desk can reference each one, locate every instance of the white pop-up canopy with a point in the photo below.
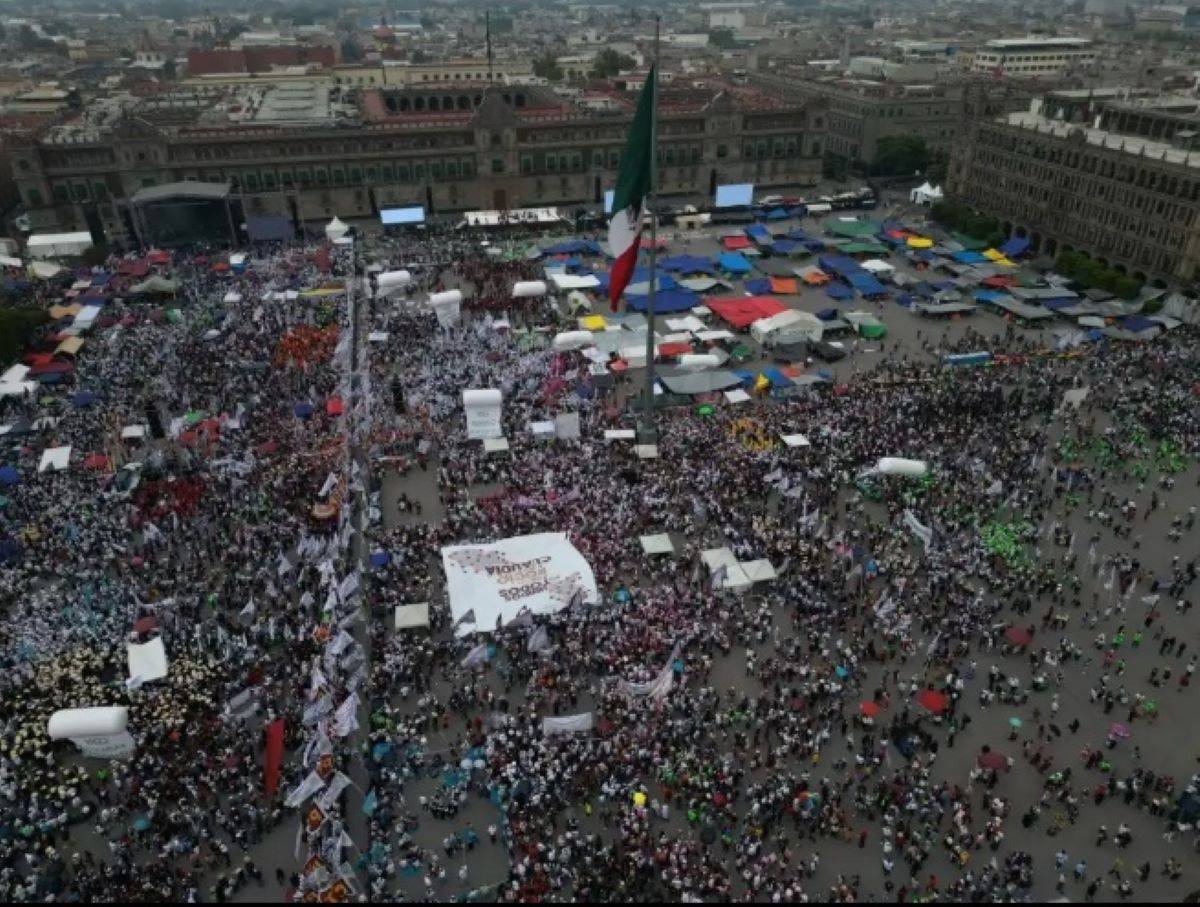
(336, 229)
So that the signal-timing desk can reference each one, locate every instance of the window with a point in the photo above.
(722, 151)
(100, 192)
(285, 179)
(435, 170)
(387, 173)
(251, 181)
(497, 165)
(339, 176)
(468, 169)
(526, 163)
(35, 198)
(552, 163)
(322, 176)
(402, 173)
(268, 180)
(356, 175)
(418, 172)
(61, 195)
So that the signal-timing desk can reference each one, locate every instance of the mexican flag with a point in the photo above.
(633, 185)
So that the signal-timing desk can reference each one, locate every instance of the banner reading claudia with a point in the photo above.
(541, 574)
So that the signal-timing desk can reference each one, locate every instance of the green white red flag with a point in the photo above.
(629, 198)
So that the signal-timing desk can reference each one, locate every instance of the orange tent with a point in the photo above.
(785, 286)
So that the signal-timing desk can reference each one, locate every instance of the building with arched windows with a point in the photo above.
(309, 152)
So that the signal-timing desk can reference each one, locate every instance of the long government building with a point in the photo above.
(305, 152)
(1105, 172)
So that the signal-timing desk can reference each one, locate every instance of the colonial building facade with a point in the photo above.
(451, 149)
(1132, 203)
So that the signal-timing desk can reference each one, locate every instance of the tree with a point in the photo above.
(17, 327)
(897, 155)
(352, 51)
(546, 67)
(609, 63)
(722, 39)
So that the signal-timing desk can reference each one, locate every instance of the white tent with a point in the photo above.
(410, 616)
(336, 229)
(787, 323)
(53, 245)
(657, 544)
(527, 289)
(926, 194)
(563, 281)
(56, 458)
(877, 266)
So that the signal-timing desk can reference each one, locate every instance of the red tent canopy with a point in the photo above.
(334, 406)
(740, 311)
(933, 701)
(97, 462)
(868, 709)
(999, 282)
(136, 267)
(674, 349)
(159, 257)
(733, 243)
(1018, 636)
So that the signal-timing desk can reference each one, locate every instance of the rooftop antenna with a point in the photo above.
(487, 13)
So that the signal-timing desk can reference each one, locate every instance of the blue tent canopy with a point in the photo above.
(866, 284)
(82, 399)
(380, 559)
(778, 214)
(827, 314)
(688, 264)
(968, 257)
(988, 295)
(838, 264)
(9, 476)
(906, 300)
(1137, 323)
(758, 286)
(640, 275)
(733, 263)
(799, 236)
(759, 233)
(303, 410)
(1015, 245)
(747, 378)
(777, 378)
(665, 302)
(573, 247)
(784, 246)
(839, 291)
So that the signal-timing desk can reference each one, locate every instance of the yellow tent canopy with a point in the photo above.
(70, 346)
(593, 323)
(920, 242)
(318, 292)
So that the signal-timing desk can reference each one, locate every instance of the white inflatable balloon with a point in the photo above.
(449, 297)
(898, 466)
(87, 722)
(573, 340)
(527, 289)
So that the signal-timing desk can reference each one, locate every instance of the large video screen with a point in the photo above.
(608, 200)
(734, 195)
(393, 216)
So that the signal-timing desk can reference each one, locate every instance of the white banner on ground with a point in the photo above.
(567, 724)
(483, 408)
(540, 573)
(566, 426)
(106, 746)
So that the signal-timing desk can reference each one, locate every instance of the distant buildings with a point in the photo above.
(1033, 56)
(1095, 172)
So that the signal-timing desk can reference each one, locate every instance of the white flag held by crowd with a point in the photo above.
(919, 529)
(345, 719)
(307, 788)
(329, 796)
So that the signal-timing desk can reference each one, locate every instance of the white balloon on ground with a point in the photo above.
(899, 466)
(87, 722)
(527, 289)
(447, 297)
(573, 340)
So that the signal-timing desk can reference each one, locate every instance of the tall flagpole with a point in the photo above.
(648, 430)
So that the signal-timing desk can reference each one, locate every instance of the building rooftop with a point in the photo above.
(1130, 144)
(1036, 41)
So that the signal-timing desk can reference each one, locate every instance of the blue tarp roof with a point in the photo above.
(784, 246)
(747, 378)
(777, 378)
(778, 214)
(838, 264)
(989, 296)
(968, 257)
(838, 291)
(574, 247)
(799, 236)
(640, 275)
(733, 263)
(758, 286)
(1137, 323)
(866, 284)
(1014, 246)
(688, 264)
(906, 300)
(758, 233)
(665, 302)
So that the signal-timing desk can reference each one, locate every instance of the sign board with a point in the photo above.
(482, 408)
